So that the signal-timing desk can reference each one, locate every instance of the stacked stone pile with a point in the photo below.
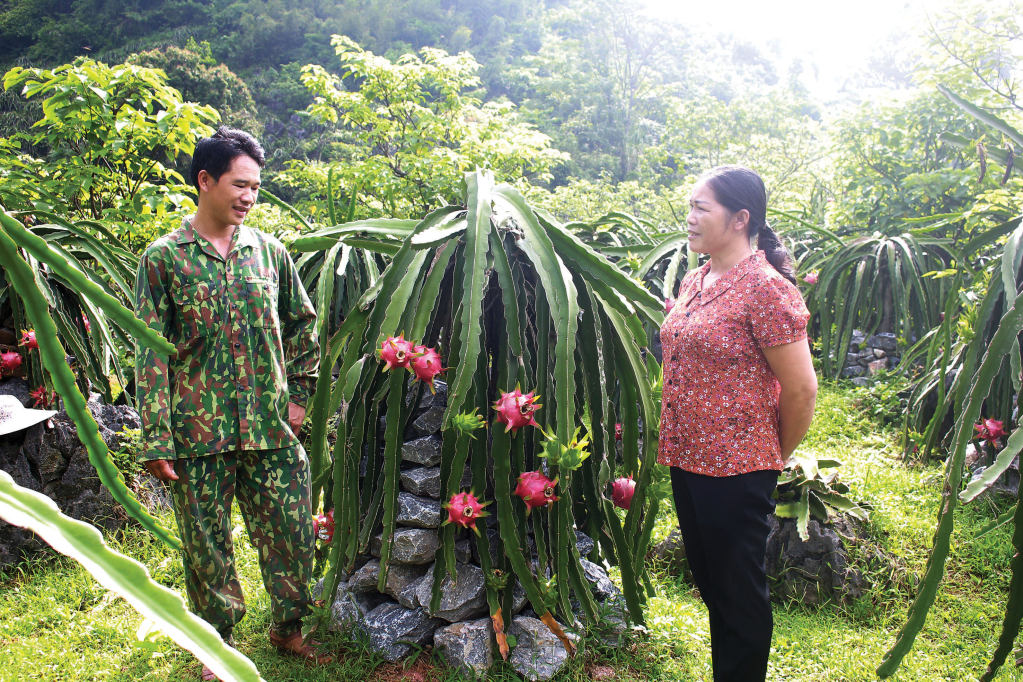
(868, 356)
(461, 629)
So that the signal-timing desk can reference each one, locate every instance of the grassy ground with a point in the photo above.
(56, 623)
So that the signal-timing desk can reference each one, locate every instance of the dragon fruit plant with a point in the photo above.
(510, 306)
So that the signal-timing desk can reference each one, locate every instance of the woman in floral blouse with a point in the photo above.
(739, 394)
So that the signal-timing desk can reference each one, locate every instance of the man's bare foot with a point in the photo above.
(293, 646)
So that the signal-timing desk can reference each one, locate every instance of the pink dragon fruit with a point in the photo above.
(989, 429)
(28, 339)
(395, 352)
(9, 363)
(618, 432)
(515, 410)
(464, 509)
(669, 303)
(426, 365)
(323, 526)
(810, 277)
(536, 490)
(41, 398)
(622, 491)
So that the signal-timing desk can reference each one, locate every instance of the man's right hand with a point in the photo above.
(162, 469)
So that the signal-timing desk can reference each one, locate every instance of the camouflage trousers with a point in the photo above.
(272, 487)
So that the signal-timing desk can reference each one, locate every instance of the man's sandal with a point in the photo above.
(292, 645)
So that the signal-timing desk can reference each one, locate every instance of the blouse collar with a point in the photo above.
(735, 274)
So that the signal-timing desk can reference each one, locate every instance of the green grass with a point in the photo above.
(56, 623)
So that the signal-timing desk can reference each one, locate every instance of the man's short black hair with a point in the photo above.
(215, 153)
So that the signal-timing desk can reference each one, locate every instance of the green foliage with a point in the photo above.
(411, 129)
(194, 73)
(804, 490)
(885, 398)
(124, 576)
(125, 457)
(111, 135)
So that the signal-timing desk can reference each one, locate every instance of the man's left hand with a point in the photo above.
(296, 415)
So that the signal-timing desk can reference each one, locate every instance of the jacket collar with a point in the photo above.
(738, 271)
(243, 237)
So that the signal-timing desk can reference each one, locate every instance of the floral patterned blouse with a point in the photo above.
(719, 413)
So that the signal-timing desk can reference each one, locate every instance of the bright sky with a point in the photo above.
(839, 37)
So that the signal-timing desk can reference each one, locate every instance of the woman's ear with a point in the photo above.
(740, 219)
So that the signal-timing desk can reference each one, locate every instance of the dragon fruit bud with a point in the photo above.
(426, 365)
(323, 526)
(9, 363)
(515, 410)
(669, 303)
(464, 509)
(467, 422)
(536, 490)
(395, 352)
(618, 432)
(622, 491)
(810, 277)
(28, 339)
(568, 456)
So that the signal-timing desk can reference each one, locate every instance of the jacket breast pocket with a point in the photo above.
(198, 308)
(261, 298)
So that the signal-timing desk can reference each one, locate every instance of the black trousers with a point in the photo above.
(724, 528)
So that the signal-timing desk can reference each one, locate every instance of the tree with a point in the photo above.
(408, 130)
(111, 135)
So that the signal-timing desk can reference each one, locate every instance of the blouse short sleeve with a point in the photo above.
(777, 312)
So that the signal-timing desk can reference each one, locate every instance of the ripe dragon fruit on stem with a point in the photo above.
(622, 491)
(425, 364)
(536, 490)
(323, 526)
(9, 363)
(396, 352)
(464, 509)
(28, 339)
(515, 410)
(990, 430)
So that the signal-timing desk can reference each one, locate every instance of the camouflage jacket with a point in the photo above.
(245, 331)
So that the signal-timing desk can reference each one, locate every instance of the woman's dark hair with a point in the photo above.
(214, 154)
(737, 188)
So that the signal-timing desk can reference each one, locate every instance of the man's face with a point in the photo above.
(228, 200)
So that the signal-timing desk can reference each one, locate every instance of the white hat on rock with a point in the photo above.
(14, 416)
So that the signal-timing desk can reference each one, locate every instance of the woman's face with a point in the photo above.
(712, 227)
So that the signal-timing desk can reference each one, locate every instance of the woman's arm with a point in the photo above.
(792, 364)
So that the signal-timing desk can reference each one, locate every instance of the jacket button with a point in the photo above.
(237, 345)
(234, 306)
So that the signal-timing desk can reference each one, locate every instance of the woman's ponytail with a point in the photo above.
(775, 252)
(739, 188)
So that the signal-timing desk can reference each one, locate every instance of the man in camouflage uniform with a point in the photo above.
(220, 417)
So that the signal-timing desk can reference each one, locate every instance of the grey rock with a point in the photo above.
(467, 646)
(346, 609)
(422, 481)
(463, 552)
(885, 341)
(878, 353)
(857, 341)
(410, 546)
(391, 625)
(462, 599)
(852, 359)
(538, 654)
(815, 571)
(876, 366)
(401, 583)
(603, 588)
(365, 579)
(862, 382)
(424, 451)
(671, 553)
(865, 356)
(418, 512)
(583, 543)
(429, 422)
(17, 387)
(856, 371)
